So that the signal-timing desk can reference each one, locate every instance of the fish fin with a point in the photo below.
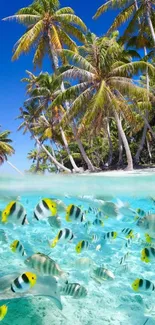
(54, 242)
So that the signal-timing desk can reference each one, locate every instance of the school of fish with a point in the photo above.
(82, 229)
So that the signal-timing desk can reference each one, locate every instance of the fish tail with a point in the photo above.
(54, 242)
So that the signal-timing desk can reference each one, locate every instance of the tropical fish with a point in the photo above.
(17, 247)
(124, 258)
(44, 265)
(3, 311)
(142, 285)
(14, 213)
(45, 208)
(82, 246)
(93, 210)
(128, 233)
(110, 235)
(149, 239)
(103, 273)
(98, 247)
(24, 282)
(128, 243)
(64, 235)
(45, 286)
(55, 222)
(95, 238)
(87, 225)
(74, 213)
(141, 212)
(84, 263)
(61, 207)
(148, 223)
(147, 254)
(109, 209)
(74, 290)
(98, 222)
(3, 236)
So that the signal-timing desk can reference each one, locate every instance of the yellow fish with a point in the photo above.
(142, 285)
(3, 311)
(45, 209)
(83, 245)
(14, 213)
(74, 213)
(24, 282)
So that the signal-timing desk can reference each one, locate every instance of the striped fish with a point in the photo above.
(147, 254)
(103, 274)
(142, 285)
(82, 246)
(74, 290)
(64, 235)
(14, 213)
(74, 213)
(44, 265)
(17, 247)
(24, 282)
(45, 209)
(98, 223)
(128, 232)
(110, 235)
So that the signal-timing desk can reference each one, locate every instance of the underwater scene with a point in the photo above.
(77, 249)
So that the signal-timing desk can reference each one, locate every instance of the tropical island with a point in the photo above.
(94, 110)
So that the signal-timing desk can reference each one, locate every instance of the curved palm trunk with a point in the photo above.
(15, 168)
(149, 150)
(81, 148)
(54, 161)
(125, 142)
(68, 151)
(53, 153)
(110, 144)
(80, 145)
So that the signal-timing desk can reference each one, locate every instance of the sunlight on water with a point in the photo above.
(110, 225)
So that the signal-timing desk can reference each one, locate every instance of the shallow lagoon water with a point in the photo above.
(112, 302)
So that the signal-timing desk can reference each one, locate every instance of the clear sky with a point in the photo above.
(12, 91)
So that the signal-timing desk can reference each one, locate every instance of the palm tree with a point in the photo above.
(105, 84)
(5, 148)
(44, 89)
(48, 28)
(29, 117)
(133, 11)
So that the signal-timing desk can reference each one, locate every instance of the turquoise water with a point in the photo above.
(110, 302)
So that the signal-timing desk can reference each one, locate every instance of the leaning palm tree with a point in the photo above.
(106, 84)
(49, 28)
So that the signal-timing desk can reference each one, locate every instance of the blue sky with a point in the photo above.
(12, 91)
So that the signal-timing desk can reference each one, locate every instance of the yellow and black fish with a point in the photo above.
(17, 247)
(24, 282)
(98, 222)
(64, 235)
(83, 245)
(128, 233)
(74, 213)
(147, 254)
(142, 285)
(45, 209)
(14, 213)
(110, 235)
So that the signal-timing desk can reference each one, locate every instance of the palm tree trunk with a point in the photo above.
(81, 148)
(125, 142)
(53, 153)
(149, 150)
(14, 167)
(68, 151)
(120, 148)
(54, 161)
(110, 144)
(80, 145)
(38, 159)
(149, 20)
(141, 145)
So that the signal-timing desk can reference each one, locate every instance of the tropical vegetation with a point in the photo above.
(95, 109)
